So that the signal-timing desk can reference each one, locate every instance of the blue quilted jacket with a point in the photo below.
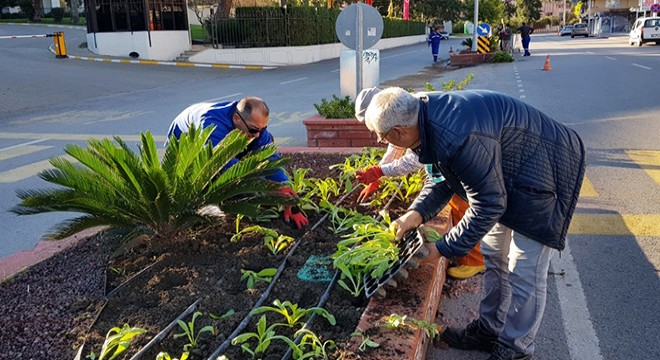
(512, 163)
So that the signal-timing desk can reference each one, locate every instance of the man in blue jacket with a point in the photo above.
(521, 173)
(250, 115)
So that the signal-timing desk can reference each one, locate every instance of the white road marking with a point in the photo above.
(579, 330)
(294, 80)
(224, 97)
(589, 52)
(642, 66)
(23, 144)
(335, 70)
(391, 56)
(610, 58)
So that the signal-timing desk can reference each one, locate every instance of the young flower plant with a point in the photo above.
(265, 275)
(190, 333)
(292, 314)
(117, 340)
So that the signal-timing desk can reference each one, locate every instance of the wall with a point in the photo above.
(290, 55)
(165, 45)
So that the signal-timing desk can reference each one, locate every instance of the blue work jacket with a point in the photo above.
(220, 114)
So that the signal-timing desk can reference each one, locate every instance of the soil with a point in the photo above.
(62, 303)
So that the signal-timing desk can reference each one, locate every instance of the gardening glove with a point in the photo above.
(369, 175)
(293, 212)
(368, 190)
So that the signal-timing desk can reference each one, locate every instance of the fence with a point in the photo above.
(296, 26)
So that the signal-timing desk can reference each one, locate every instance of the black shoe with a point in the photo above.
(474, 337)
(503, 352)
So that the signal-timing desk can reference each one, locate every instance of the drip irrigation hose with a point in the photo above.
(114, 291)
(326, 296)
(165, 331)
(223, 347)
(89, 330)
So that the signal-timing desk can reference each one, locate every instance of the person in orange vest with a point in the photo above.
(398, 162)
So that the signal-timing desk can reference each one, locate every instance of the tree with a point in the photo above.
(509, 8)
(443, 10)
(224, 8)
(74, 5)
(197, 6)
(529, 10)
(490, 11)
(38, 10)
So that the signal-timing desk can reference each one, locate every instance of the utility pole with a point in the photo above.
(476, 23)
(564, 17)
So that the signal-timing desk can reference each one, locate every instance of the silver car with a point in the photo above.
(566, 30)
(580, 30)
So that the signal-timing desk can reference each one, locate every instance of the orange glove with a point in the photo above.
(369, 175)
(368, 190)
(292, 212)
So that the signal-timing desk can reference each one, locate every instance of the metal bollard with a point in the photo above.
(60, 45)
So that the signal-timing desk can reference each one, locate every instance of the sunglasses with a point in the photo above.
(251, 130)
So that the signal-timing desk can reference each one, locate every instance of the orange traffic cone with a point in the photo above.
(547, 67)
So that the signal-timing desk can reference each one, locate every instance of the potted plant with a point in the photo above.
(336, 125)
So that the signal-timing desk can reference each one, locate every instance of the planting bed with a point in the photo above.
(53, 308)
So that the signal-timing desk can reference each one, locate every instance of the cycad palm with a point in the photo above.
(117, 187)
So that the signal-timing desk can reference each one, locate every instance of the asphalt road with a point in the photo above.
(605, 306)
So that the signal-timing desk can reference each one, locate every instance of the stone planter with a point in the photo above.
(469, 59)
(322, 132)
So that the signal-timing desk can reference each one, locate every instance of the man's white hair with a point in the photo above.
(392, 107)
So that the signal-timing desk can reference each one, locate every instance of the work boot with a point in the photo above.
(503, 352)
(465, 271)
(474, 337)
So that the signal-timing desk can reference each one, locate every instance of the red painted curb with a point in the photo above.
(17, 262)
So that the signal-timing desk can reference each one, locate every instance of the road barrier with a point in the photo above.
(58, 39)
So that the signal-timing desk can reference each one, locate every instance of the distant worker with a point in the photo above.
(525, 32)
(434, 42)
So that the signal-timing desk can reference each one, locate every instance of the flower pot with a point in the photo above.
(322, 132)
(469, 59)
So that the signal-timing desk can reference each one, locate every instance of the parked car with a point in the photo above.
(645, 29)
(444, 35)
(566, 30)
(580, 30)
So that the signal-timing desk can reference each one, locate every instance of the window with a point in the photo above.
(131, 15)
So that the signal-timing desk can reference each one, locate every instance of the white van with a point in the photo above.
(645, 29)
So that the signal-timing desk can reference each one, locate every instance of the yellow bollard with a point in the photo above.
(60, 45)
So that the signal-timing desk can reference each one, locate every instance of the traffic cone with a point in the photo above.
(547, 67)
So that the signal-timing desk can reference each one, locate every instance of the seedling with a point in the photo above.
(264, 336)
(265, 275)
(166, 356)
(277, 244)
(317, 349)
(121, 272)
(395, 321)
(365, 342)
(224, 316)
(292, 314)
(189, 331)
(430, 330)
(116, 342)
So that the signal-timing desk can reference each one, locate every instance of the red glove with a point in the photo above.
(368, 190)
(292, 212)
(369, 175)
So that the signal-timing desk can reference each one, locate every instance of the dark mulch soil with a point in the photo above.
(50, 310)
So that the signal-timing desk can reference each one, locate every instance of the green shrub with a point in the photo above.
(337, 108)
(112, 185)
(501, 57)
(57, 14)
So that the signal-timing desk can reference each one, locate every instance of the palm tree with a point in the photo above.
(112, 185)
